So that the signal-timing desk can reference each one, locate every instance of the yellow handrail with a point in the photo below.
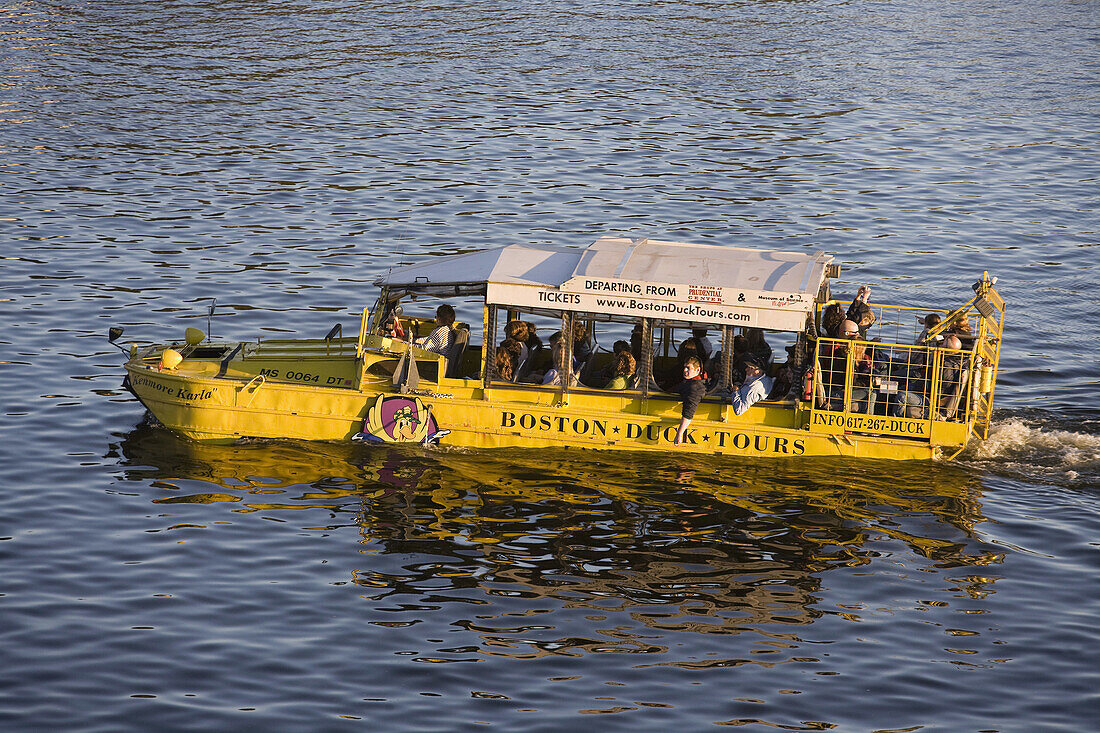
(261, 380)
(362, 333)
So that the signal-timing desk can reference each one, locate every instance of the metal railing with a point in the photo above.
(884, 374)
(894, 380)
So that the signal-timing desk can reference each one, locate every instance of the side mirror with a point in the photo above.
(113, 335)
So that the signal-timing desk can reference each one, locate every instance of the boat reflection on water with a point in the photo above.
(667, 542)
(716, 549)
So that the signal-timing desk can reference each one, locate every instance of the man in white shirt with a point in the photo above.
(757, 385)
(442, 337)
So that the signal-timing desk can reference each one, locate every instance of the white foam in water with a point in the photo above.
(1040, 449)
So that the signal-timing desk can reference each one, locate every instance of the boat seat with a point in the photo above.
(528, 364)
(588, 367)
(454, 356)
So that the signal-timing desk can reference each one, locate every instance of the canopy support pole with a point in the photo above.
(487, 351)
(645, 363)
(565, 361)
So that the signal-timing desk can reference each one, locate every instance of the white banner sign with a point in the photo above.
(630, 303)
(712, 294)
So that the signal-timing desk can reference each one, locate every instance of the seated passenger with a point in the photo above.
(518, 331)
(691, 392)
(788, 376)
(740, 351)
(929, 322)
(792, 374)
(834, 372)
(757, 346)
(906, 367)
(670, 380)
(961, 328)
(582, 343)
(713, 370)
(507, 360)
(757, 386)
(442, 337)
(752, 343)
(867, 378)
(705, 347)
(623, 367)
(607, 373)
(953, 379)
(552, 376)
(534, 343)
(636, 341)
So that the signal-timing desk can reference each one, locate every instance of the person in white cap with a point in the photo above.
(757, 386)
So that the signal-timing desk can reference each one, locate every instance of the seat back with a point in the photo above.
(588, 366)
(454, 356)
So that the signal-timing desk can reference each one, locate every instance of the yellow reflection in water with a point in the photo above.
(666, 543)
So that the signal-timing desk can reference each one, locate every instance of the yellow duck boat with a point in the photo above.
(885, 392)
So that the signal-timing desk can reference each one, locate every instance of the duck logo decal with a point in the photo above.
(399, 420)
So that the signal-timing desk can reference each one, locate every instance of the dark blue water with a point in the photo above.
(280, 156)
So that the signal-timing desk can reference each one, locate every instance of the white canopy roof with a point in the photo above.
(644, 260)
(526, 264)
(694, 283)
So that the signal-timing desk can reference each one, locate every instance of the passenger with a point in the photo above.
(671, 379)
(507, 359)
(534, 343)
(867, 378)
(609, 371)
(906, 368)
(752, 343)
(860, 312)
(582, 344)
(552, 376)
(518, 331)
(740, 352)
(961, 328)
(790, 373)
(691, 391)
(834, 362)
(442, 337)
(953, 379)
(929, 322)
(713, 370)
(831, 319)
(623, 370)
(757, 346)
(705, 346)
(636, 341)
(757, 385)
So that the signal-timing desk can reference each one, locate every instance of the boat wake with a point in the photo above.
(1039, 449)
